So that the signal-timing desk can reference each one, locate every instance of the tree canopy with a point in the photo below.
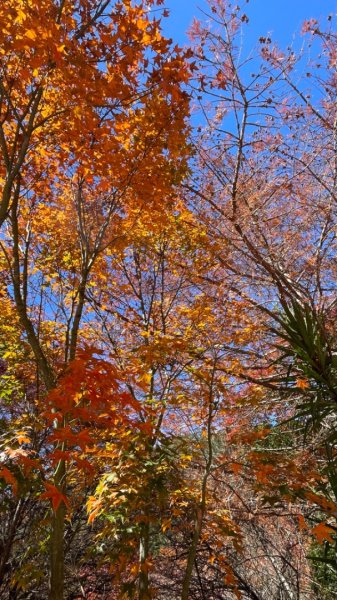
(168, 344)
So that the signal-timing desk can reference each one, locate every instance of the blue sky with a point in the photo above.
(282, 18)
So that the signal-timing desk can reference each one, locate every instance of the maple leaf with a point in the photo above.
(302, 523)
(94, 507)
(236, 468)
(323, 532)
(31, 34)
(9, 478)
(53, 494)
(303, 384)
(22, 437)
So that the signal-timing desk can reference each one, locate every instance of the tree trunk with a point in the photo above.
(144, 550)
(202, 505)
(56, 588)
(192, 555)
(57, 555)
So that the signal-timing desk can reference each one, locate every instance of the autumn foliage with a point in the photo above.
(168, 370)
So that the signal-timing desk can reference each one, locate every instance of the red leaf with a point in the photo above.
(53, 494)
(9, 478)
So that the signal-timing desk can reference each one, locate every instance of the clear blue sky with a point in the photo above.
(281, 18)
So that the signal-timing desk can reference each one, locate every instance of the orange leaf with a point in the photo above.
(22, 437)
(236, 468)
(303, 384)
(323, 532)
(302, 523)
(94, 506)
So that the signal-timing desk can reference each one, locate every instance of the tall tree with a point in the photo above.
(111, 141)
(264, 185)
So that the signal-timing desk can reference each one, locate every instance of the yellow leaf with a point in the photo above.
(166, 525)
(147, 39)
(147, 378)
(31, 34)
(141, 24)
(21, 16)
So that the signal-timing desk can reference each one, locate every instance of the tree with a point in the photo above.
(121, 123)
(167, 310)
(264, 185)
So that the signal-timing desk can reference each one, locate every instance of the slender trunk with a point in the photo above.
(56, 584)
(57, 550)
(144, 551)
(57, 555)
(202, 506)
(78, 316)
(192, 554)
(13, 168)
(282, 578)
(57, 546)
(58, 517)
